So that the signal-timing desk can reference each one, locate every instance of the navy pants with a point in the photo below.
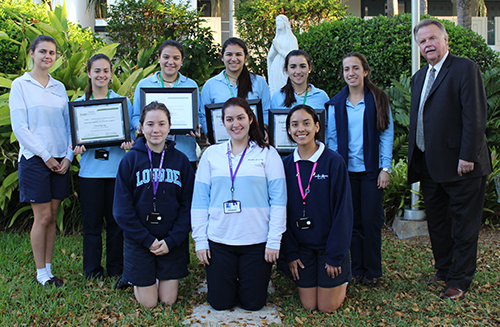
(96, 199)
(366, 242)
(237, 275)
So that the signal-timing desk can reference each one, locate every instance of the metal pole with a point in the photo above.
(414, 213)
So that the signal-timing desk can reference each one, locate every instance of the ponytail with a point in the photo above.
(88, 92)
(244, 83)
(290, 98)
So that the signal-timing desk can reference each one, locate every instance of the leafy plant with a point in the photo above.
(16, 16)
(491, 79)
(397, 195)
(199, 64)
(491, 211)
(257, 18)
(400, 97)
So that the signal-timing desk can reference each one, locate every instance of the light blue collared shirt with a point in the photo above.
(217, 90)
(183, 143)
(355, 116)
(316, 99)
(90, 167)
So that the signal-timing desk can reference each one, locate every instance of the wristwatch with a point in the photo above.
(387, 170)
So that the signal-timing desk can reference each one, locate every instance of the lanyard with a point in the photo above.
(163, 85)
(92, 95)
(308, 189)
(156, 182)
(233, 176)
(229, 85)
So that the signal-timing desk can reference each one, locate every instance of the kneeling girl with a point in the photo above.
(319, 215)
(152, 203)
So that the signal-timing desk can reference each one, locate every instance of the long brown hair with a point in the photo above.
(381, 98)
(254, 133)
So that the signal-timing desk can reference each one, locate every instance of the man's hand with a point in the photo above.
(464, 167)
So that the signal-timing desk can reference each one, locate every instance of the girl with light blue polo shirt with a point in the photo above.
(234, 81)
(98, 168)
(360, 129)
(297, 90)
(170, 56)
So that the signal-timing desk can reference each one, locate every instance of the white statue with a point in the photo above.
(283, 42)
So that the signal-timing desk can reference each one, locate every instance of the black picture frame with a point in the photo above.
(182, 102)
(279, 115)
(89, 117)
(213, 113)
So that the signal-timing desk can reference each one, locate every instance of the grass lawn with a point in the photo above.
(399, 299)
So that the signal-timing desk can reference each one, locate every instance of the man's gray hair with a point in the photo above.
(427, 22)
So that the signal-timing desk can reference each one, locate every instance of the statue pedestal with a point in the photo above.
(413, 224)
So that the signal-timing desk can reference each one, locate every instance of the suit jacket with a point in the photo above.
(454, 122)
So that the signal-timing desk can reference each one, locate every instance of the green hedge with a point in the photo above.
(386, 42)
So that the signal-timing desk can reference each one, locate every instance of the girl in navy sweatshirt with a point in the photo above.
(152, 201)
(319, 215)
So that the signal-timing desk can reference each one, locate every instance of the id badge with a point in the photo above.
(101, 154)
(232, 206)
(154, 218)
(304, 223)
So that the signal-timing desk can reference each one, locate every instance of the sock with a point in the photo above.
(41, 276)
(49, 271)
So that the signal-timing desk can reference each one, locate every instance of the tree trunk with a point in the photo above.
(423, 7)
(392, 8)
(464, 13)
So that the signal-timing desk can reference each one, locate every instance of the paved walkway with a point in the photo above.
(205, 315)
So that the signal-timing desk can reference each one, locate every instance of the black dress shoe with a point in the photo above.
(356, 279)
(57, 282)
(369, 281)
(121, 284)
(453, 293)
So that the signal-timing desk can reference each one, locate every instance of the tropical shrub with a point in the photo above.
(397, 195)
(144, 24)
(386, 42)
(258, 18)
(27, 12)
(491, 212)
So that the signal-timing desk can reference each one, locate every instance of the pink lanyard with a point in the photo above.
(308, 189)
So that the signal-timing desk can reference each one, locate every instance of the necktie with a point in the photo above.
(420, 119)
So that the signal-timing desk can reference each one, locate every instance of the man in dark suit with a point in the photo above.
(448, 154)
